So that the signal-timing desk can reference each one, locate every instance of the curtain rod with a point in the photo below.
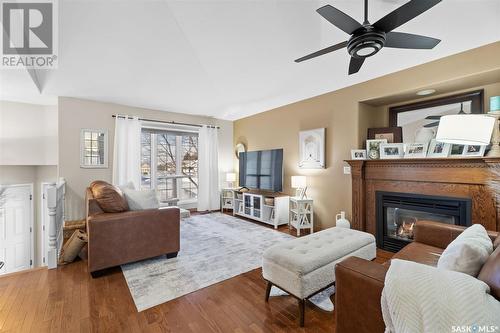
(167, 122)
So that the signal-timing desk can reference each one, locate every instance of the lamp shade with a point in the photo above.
(465, 129)
(299, 182)
(230, 177)
(495, 103)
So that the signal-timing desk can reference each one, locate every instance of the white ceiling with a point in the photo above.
(228, 59)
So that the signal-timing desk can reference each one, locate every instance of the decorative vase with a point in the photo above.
(341, 221)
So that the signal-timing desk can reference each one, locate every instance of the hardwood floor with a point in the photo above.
(67, 299)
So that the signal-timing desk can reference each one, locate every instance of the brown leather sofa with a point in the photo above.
(359, 282)
(123, 237)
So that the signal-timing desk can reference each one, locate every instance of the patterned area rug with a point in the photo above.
(214, 247)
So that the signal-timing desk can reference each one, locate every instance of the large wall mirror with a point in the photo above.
(93, 148)
(421, 119)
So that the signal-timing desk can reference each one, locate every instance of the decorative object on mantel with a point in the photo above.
(412, 117)
(416, 150)
(312, 149)
(457, 150)
(392, 150)
(495, 113)
(474, 151)
(299, 183)
(391, 134)
(358, 154)
(373, 148)
(239, 148)
(438, 149)
(341, 221)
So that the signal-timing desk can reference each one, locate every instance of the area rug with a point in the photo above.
(214, 247)
(322, 300)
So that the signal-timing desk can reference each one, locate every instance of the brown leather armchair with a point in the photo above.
(359, 282)
(119, 238)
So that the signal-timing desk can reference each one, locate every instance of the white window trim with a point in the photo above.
(178, 157)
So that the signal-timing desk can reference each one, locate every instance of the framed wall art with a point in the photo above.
(312, 149)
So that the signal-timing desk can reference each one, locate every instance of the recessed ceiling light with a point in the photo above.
(426, 92)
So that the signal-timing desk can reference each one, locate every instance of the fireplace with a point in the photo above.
(398, 212)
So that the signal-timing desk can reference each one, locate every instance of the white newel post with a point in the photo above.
(55, 205)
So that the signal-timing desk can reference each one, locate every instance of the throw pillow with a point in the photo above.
(140, 200)
(109, 197)
(468, 252)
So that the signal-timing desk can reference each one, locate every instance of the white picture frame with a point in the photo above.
(312, 149)
(392, 150)
(93, 151)
(373, 148)
(416, 150)
(438, 149)
(474, 151)
(457, 150)
(358, 154)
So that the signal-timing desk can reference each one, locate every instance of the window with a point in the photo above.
(93, 148)
(169, 164)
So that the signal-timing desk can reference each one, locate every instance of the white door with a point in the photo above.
(16, 227)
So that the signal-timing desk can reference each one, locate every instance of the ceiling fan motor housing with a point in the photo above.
(365, 42)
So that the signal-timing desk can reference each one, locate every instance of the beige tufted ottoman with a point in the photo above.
(305, 266)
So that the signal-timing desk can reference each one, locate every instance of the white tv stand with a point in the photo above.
(252, 205)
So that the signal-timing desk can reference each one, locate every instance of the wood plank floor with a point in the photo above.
(67, 299)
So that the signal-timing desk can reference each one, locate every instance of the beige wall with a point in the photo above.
(75, 114)
(28, 134)
(36, 175)
(347, 113)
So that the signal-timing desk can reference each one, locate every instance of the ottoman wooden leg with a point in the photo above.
(268, 290)
(302, 309)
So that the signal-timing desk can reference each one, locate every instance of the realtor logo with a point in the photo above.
(29, 37)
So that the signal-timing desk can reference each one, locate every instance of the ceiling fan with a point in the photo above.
(367, 39)
(437, 118)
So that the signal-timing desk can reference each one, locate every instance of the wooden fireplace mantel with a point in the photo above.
(450, 177)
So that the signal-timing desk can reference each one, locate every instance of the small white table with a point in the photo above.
(301, 214)
(227, 199)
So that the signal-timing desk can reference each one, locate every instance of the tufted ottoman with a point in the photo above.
(305, 266)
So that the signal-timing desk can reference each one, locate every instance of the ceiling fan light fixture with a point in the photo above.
(426, 92)
(365, 43)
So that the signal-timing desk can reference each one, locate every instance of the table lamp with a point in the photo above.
(299, 183)
(495, 114)
(465, 129)
(230, 179)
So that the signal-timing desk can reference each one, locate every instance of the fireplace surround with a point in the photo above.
(457, 178)
(398, 212)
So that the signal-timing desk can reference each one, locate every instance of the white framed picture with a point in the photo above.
(416, 150)
(373, 148)
(358, 154)
(457, 150)
(438, 149)
(474, 150)
(312, 149)
(392, 150)
(93, 148)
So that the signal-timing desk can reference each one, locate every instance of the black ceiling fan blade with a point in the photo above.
(339, 19)
(323, 51)
(434, 124)
(404, 14)
(433, 117)
(403, 40)
(355, 64)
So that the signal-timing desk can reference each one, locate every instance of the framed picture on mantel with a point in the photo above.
(391, 134)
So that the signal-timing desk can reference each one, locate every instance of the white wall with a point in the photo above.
(75, 114)
(28, 134)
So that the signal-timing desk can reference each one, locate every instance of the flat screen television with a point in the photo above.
(262, 170)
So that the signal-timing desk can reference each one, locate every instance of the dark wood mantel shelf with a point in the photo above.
(452, 177)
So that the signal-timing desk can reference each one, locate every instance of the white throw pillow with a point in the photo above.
(128, 186)
(140, 200)
(468, 252)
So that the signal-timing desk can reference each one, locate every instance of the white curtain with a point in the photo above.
(208, 170)
(127, 151)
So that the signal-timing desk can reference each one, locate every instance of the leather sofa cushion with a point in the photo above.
(490, 273)
(421, 253)
(109, 197)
